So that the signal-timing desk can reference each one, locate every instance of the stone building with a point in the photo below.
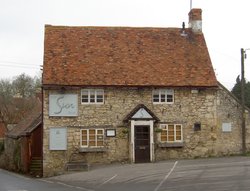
(120, 94)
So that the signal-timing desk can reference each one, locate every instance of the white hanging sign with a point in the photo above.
(63, 105)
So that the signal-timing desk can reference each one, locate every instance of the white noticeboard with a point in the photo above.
(58, 138)
(226, 127)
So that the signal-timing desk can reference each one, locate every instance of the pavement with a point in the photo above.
(219, 174)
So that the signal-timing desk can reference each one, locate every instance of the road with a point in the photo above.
(13, 182)
(217, 174)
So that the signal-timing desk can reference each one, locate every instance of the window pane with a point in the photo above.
(163, 97)
(92, 143)
(169, 98)
(171, 138)
(85, 96)
(84, 143)
(171, 133)
(156, 98)
(163, 126)
(85, 99)
(169, 91)
(100, 137)
(178, 138)
(92, 131)
(99, 131)
(100, 143)
(99, 92)
(178, 133)
(164, 136)
(91, 137)
(99, 98)
(84, 132)
(164, 133)
(85, 92)
(178, 127)
(84, 137)
(92, 98)
(171, 127)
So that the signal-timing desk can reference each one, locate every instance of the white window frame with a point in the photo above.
(164, 127)
(88, 146)
(166, 92)
(95, 96)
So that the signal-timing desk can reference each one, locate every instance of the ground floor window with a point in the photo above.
(92, 137)
(171, 133)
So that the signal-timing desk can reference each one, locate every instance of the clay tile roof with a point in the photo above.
(29, 123)
(124, 56)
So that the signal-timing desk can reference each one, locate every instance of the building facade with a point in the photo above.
(114, 94)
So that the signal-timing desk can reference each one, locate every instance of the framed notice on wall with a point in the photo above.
(58, 138)
(226, 127)
(110, 133)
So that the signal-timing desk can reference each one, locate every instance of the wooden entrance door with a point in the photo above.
(142, 144)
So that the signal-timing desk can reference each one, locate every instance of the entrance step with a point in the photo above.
(36, 167)
(77, 166)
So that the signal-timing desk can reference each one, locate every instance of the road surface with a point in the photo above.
(217, 174)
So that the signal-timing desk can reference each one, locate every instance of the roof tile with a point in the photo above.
(124, 56)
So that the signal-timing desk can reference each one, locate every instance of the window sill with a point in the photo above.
(171, 145)
(92, 150)
(94, 103)
(158, 103)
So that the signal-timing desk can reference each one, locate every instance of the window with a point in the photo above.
(92, 137)
(92, 96)
(163, 96)
(171, 133)
(197, 127)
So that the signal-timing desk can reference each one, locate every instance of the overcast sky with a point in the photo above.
(226, 28)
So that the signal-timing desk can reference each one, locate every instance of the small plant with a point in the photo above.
(247, 154)
(125, 131)
(17, 157)
(158, 130)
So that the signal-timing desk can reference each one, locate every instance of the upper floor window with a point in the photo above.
(163, 96)
(92, 96)
(171, 133)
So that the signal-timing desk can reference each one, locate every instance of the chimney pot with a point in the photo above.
(195, 20)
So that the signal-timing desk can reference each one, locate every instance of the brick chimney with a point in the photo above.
(195, 20)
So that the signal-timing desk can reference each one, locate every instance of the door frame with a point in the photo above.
(149, 123)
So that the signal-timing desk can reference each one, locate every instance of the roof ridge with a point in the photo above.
(47, 26)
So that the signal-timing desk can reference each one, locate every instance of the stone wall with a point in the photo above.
(229, 111)
(12, 154)
(15, 156)
(191, 108)
(209, 107)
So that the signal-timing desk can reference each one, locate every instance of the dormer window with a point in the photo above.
(92, 96)
(163, 96)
